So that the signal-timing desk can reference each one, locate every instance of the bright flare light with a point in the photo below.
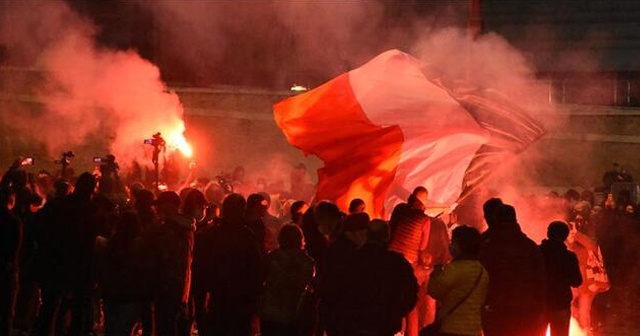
(179, 142)
(175, 140)
(574, 329)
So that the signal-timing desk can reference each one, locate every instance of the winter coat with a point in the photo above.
(124, 270)
(371, 296)
(410, 232)
(234, 260)
(450, 287)
(563, 272)
(10, 242)
(288, 273)
(173, 253)
(516, 269)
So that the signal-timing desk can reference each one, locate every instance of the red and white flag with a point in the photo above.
(394, 124)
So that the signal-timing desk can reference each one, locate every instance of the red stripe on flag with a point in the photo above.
(360, 157)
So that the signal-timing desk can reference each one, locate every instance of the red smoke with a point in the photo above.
(89, 91)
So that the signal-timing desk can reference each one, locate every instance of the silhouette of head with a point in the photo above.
(489, 209)
(233, 208)
(558, 231)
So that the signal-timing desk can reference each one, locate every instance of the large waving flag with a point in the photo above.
(394, 124)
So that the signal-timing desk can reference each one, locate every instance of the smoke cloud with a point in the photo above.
(317, 40)
(87, 91)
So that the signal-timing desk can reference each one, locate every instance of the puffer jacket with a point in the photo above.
(450, 287)
(411, 233)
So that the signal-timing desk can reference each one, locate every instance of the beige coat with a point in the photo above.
(450, 286)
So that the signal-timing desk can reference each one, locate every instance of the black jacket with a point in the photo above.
(516, 269)
(10, 241)
(234, 260)
(376, 289)
(563, 272)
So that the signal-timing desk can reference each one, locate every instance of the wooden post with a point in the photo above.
(474, 28)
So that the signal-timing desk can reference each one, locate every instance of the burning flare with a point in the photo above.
(178, 141)
(574, 329)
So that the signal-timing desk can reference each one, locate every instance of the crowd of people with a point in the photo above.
(98, 256)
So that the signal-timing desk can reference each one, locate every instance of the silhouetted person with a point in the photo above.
(194, 208)
(461, 287)
(612, 176)
(271, 225)
(80, 232)
(289, 271)
(298, 208)
(328, 221)
(256, 210)
(10, 241)
(143, 206)
(301, 189)
(235, 265)
(28, 294)
(123, 276)
(353, 235)
(357, 205)
(150, 227)
(173, 252)
(374, 292)
(316, 242)
(410, 231)
(50, 258)
(489, 209)
(563, 272)
(515, 300)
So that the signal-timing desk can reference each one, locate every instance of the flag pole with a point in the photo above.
(474, 29)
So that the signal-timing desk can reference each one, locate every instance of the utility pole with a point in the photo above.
(474, 29)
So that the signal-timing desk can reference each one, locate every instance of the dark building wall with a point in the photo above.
(604, 31)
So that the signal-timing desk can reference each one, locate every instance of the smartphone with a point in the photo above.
(97, 159)
(27, 162)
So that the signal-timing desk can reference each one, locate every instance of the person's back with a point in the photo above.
(10, 233)
(289, 271)
(122, 277)
(172, 245)
(235, 263)
(563, 272)
(375, 291)
(411, 238)
(513, 261)
(235, 257)
(11, 237)
(408, 237)
(517, 288)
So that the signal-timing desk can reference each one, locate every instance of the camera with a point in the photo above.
(156, 140)
(66, 158)
(108, 164)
